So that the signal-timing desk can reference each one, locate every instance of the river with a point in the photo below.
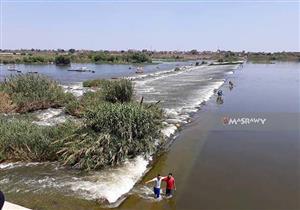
(216, 166)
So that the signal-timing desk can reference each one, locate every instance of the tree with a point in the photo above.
(194, 52)
(62, 60)
(72, 50)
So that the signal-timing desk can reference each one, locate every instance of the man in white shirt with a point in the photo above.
(157, 182)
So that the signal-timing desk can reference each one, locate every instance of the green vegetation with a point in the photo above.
(144, 56)
(20, 140)
(94, 83)
(61, 57)
(271, 57)
(118, 91)
(132, 57)
(29, 92)
(112, 126)
(62, 60)
(112, 133)
(109, 91)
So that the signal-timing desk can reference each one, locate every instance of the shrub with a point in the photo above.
(32, 92)
(138, 57)
(20, 140)
(34, 59)
(112, 133)
(100, 57)
(62, 60)
(109, 91)
(117, 91)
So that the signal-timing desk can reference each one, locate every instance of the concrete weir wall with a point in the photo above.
(11, 206)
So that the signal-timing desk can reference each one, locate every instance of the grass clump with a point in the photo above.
(30, 92)
(113, 91)
(112, 133)
(78, 106)
(21, 140)
(94, 83)
(118, 91)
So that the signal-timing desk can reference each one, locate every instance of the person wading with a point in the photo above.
(170, 185)
(157, 183)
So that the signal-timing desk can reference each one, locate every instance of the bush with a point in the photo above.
(20, 140)
(117, 91)
(138, 57)
(109, 91)
(112, 133)
(34, 59)
(94, 83)
(32, 92)
(62, 60)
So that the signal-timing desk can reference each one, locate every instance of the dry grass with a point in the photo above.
(6, 104)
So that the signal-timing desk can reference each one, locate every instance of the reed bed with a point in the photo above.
(30, 92)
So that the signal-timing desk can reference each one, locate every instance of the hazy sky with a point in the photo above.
(156, 25)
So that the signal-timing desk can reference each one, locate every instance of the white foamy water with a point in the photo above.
(108, 184)
(180, 94)
(76, 89)
(111, 184)
(16, 164)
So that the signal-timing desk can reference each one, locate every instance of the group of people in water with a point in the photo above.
(220, 93)
(170, 181)
(170, 185)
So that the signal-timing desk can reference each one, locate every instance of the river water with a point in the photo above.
(105, 71)
(215, 167)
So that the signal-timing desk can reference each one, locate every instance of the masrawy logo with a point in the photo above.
(243, 120)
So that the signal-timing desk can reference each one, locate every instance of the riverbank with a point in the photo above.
(37, 56)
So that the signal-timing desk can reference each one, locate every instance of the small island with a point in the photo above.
(107, 125)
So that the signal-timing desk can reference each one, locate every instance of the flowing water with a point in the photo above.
(180, 92)
(215, 167)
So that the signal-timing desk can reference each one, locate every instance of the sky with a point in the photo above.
(155, 25)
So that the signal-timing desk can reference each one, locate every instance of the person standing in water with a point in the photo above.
(230, 85)
(157, 183)
(170, 184)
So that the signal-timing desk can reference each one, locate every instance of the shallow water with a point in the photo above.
(215, 167)
(219, 166)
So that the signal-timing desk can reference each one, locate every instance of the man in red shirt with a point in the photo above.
(170, 184)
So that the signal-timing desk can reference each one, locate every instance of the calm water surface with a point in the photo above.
(105, 71)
